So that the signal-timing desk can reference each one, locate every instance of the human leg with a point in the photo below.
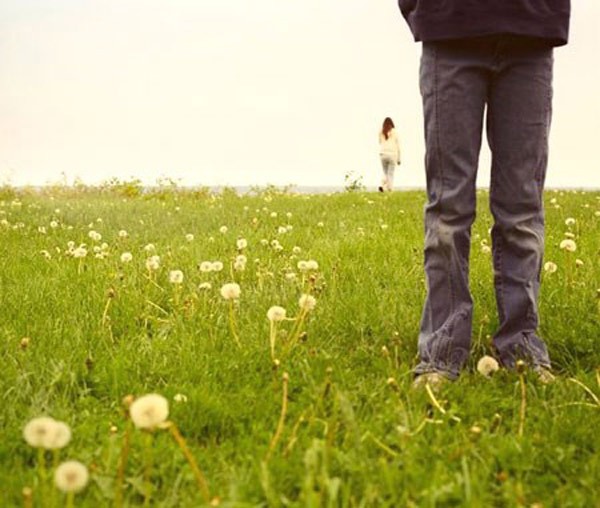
(453, 82)
(518, 124)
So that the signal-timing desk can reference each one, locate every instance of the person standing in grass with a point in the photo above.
(493, 57)
(389, 153)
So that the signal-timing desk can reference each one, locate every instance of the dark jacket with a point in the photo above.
(433, 20)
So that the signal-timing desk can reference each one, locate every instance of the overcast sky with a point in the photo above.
(242, 92)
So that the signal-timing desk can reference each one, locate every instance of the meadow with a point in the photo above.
(308, 408)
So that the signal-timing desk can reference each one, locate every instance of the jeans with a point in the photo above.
(512, 77)
(389, 165)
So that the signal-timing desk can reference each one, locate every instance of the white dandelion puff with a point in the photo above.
(123, 234)
(241, 243)
(568, 245)
(204, 286)
(175, 276)
(307, 302)
(276, 313)
(231, 291)
(149, 411)
(153, 263)
(126, 257)
(71, 476)
(487, 365)
(223, 229)
(570, 221)
(550, 267)
(37, 432)
(206, 266)
(58, 437)
(189, 237)
(217, 266)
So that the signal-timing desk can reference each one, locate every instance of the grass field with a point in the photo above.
(79, 333)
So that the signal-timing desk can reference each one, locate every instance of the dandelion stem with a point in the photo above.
(70, 499)
(148, 469)
(122, 465)
(587, 390)
(202, 484)
(232, 324)
(105, 313)
(523, 404)
(436, 404)
(297, 329)
(27, 498)
(42, 471)
(281, 422)
(273, 331)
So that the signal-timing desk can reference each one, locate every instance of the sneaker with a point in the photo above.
(380, 188)
(544, 375)
(433, 379)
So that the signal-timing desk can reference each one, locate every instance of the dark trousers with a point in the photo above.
(511, 78)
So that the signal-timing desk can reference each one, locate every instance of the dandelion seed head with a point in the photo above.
(579, 263)
(153, 263)
(150, 247)
(568, 245)
(487, 365)
(180, 397)
(59, 436)
(123, 234)
(550, 267)
(570, 221)
(231, 291)
(37, 431)
(307, 302)
(189, 237)
(223, 229)
(204, 286)
(206, 266)
(126, 257)
(241, 243)
(175, 276)
(217, 266)
(149, 411)
(276, 313)
(71, 476)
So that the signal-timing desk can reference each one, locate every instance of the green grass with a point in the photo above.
(350, 438)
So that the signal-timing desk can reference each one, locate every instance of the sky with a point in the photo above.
(240, 92)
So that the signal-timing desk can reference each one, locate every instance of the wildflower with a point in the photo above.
(24, 344)
(550, 267)
(241, 243)
(206, 266)
(153, 263)
(487, 365)
(204, 286)
(223, 229)
(384, 226)
(46, 254)
(126, 257)
(189, 237)
(217, 266)
(486, 249)
(303, 266)
(282, 230)
(123, 234)
(80, 252)
(150, 247)
(568, 234)
(290, 276)
(175, 276)
(240, 263)
(53, 224)
(230, 291)
(296, 250)
(276, 313)
(289, 215)
(311, 264)
(149, 411)
(95, 236)
(264, 242)
(58, 437)
(37, 432)
(570, 221)
(180, 397)
(568, 245)
(578, 263)
(273, 215)
(71, 476)
(307, 302)
(320, 225)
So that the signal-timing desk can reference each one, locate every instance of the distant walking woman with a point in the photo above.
(389, 152)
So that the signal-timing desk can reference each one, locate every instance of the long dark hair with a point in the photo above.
(388, 125)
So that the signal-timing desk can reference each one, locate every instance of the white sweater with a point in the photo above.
(389, 146)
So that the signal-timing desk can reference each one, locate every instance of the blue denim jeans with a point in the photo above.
(510, 80)
(388, 165)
